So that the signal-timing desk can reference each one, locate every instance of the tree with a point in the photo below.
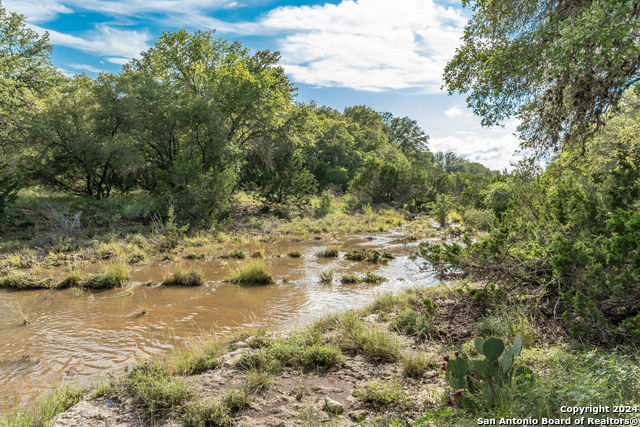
(559, 66)
(26, 75)
(409, 137)
(83, 141)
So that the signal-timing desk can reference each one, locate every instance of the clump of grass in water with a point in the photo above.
(294, 254)
(73, 281)
(184, 278)
(259, 254)
(328, 252)
(371, 277)
(113, 277)
(326, 276)
(369, 255)
(25, 281)
(352, 278)
(237, 254)
(19, 310)
(251, 273)
(193, 256)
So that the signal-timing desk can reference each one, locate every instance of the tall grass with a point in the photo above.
(114, 276)
(180, 277)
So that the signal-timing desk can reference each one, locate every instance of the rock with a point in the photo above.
(358, 415)
(230, 359)
(333, 406)
(430, 374)
(392, 419)
(239, 344)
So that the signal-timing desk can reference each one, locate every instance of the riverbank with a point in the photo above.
(363, 366)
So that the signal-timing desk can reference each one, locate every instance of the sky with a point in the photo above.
(386, 54)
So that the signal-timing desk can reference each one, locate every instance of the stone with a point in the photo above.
(239, 344)
(333, 406)
(430, 374)
(358, 415)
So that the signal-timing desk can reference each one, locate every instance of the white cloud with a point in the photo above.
(37, 11)
(453, 112)
(464, 132)
(371, 45)
(119, 61)
(103, 41)
(85, 68)
(494, 153)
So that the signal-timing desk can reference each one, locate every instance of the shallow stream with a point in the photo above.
(78, 337)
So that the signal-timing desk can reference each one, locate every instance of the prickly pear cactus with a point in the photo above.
(482, 378)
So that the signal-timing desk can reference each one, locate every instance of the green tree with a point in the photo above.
(557, 65)
(83, 141)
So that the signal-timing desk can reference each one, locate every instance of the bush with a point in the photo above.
(251, 273)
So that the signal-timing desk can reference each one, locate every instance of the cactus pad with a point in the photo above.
(492, 348)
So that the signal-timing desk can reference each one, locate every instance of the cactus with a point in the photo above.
(482, 378)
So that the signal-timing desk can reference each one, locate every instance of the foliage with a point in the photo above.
(184, 278)
(380, 397)
(329, 252)
(326, 276)
(206, 414)
(410, 322)
(484, 381)
(251, 273)
(540, 65)
(368, 255)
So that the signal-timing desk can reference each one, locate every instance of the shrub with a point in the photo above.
(251, 273)
(184, 278)
(208, 414)
(328, 252)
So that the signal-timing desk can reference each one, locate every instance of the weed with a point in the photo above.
(72, 281)
(237, 254)
(326, 276)
(259, 254)
(251, 273)
(25, 281)
(368, 255)
(195, 358)
(295, 254)
(329, 252)
(302, 390)
(21, 312)
(184, 278)
(410, 322)
(207, 414)
(353, 335)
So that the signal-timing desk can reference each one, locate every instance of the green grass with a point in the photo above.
(329, 252)
(410, 322)
(184, 278)
(294, 254)
(415, 365)
(354, 336)
(206, 414)
(371, 277)
(237, 254)
(45, 409)
(368, 255)
(25, 281)
(236, 399)
(153, 388)
(259, 380)
(383, 397)
(350, 278)
(251, 273)
(198, 357)
(113, 277)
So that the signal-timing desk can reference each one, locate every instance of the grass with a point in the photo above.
(113, 277)
(329, 252)
(25, 281)
(368, 255)
(206, 414)
(180, 277)
(45, 409)
(251, 273)
(326, 276)
(350, 278)
(237, 254)
(415, 365)
(382, 397)
(259, 380)
(153, 388)
(198, 356)
(294, 254)
(236, 399)
(410, 322)
(369, 277)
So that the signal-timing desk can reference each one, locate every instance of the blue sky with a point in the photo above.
(386, 54)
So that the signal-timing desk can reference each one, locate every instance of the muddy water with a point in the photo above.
(79, 337)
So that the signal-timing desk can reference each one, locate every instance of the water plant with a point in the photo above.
(180, 277)
(326, 276)
(295, 253)
(371, 277)
(251, 273)
(113, 277)
(329, 252)
(237, 254)
(368, 255)
(350, 278)
(25, 281)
